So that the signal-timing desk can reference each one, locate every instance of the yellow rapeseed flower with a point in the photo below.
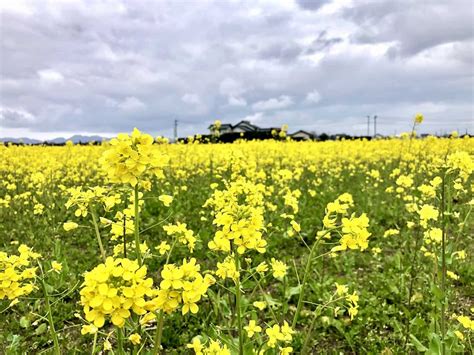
(135, 338)
(252, 328)
(68, 226)
(166, 199)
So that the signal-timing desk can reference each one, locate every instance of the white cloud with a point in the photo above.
(231, 87)
(236, 101)
(255, 118)
(191, 99)
(131, 103)
(50, 76)
(111, 103)
(17, 7)
(281, 102)
(104, 52)
(313, 97)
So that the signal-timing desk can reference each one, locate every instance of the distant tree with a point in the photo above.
(323, 137)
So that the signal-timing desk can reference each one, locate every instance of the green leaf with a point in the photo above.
(418, 322)
(49, 288)
(435, 345)
(419, 346)
(41, 329)
(292, 291)
(24, 322)
(271, 301)
(394, 289)
(437, 292)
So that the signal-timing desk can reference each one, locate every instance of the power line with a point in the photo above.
(175, 130)
(375, 126)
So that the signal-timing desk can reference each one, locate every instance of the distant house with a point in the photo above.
(225, 128)
(242, 127)
(302, 135)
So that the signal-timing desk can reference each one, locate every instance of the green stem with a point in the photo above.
(443, 267)
(170, 251)
(94, 344)
(237, 305)
(97, 234)
(265, 296)
(125, 236)
(317, 312)
(119, 341)
(50, 315)
(411, 287)
(284, 303)
(137, 226)
(305, 279)
(158, 334)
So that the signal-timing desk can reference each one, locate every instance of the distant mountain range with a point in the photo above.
(75, 139)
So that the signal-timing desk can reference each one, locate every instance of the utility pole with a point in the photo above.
(175, 130)
(375, 126)
(368, 125)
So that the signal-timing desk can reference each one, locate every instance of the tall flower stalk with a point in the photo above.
(49, 314)
(97, 234)
(443, 266)
(137, 225)
(238, 307)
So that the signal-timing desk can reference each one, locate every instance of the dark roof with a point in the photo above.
(244, 123)
(302, 131)
(270, 129)
(222, 125)
(248, 124)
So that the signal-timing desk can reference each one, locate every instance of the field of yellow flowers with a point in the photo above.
(137, 246)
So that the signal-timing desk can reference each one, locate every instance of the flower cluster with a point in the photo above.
(354, 233)
(353, 230)
(427, 213)
(238, 213)
(131, 156)
(38, 209)
(16, 273)
(180, 285)
(403, 182)
(352, 300)
(129, 248)
(115, 289)
(461, 162)
(340, 206)
(466, 322)
(185, 236)
(122, 224)
(227, 269)
(418, 118)
(279, 335)
(216, 127)
(82, 200)
(278, 268)
(213, 348)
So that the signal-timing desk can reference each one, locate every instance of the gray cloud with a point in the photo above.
(312, 5)
(284, 52)
(15, 118)
(322, 42)
(111, 65)
(414, 26)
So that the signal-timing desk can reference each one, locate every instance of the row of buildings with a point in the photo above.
(248, 129)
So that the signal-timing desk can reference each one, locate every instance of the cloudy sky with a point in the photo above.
(102, 67)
